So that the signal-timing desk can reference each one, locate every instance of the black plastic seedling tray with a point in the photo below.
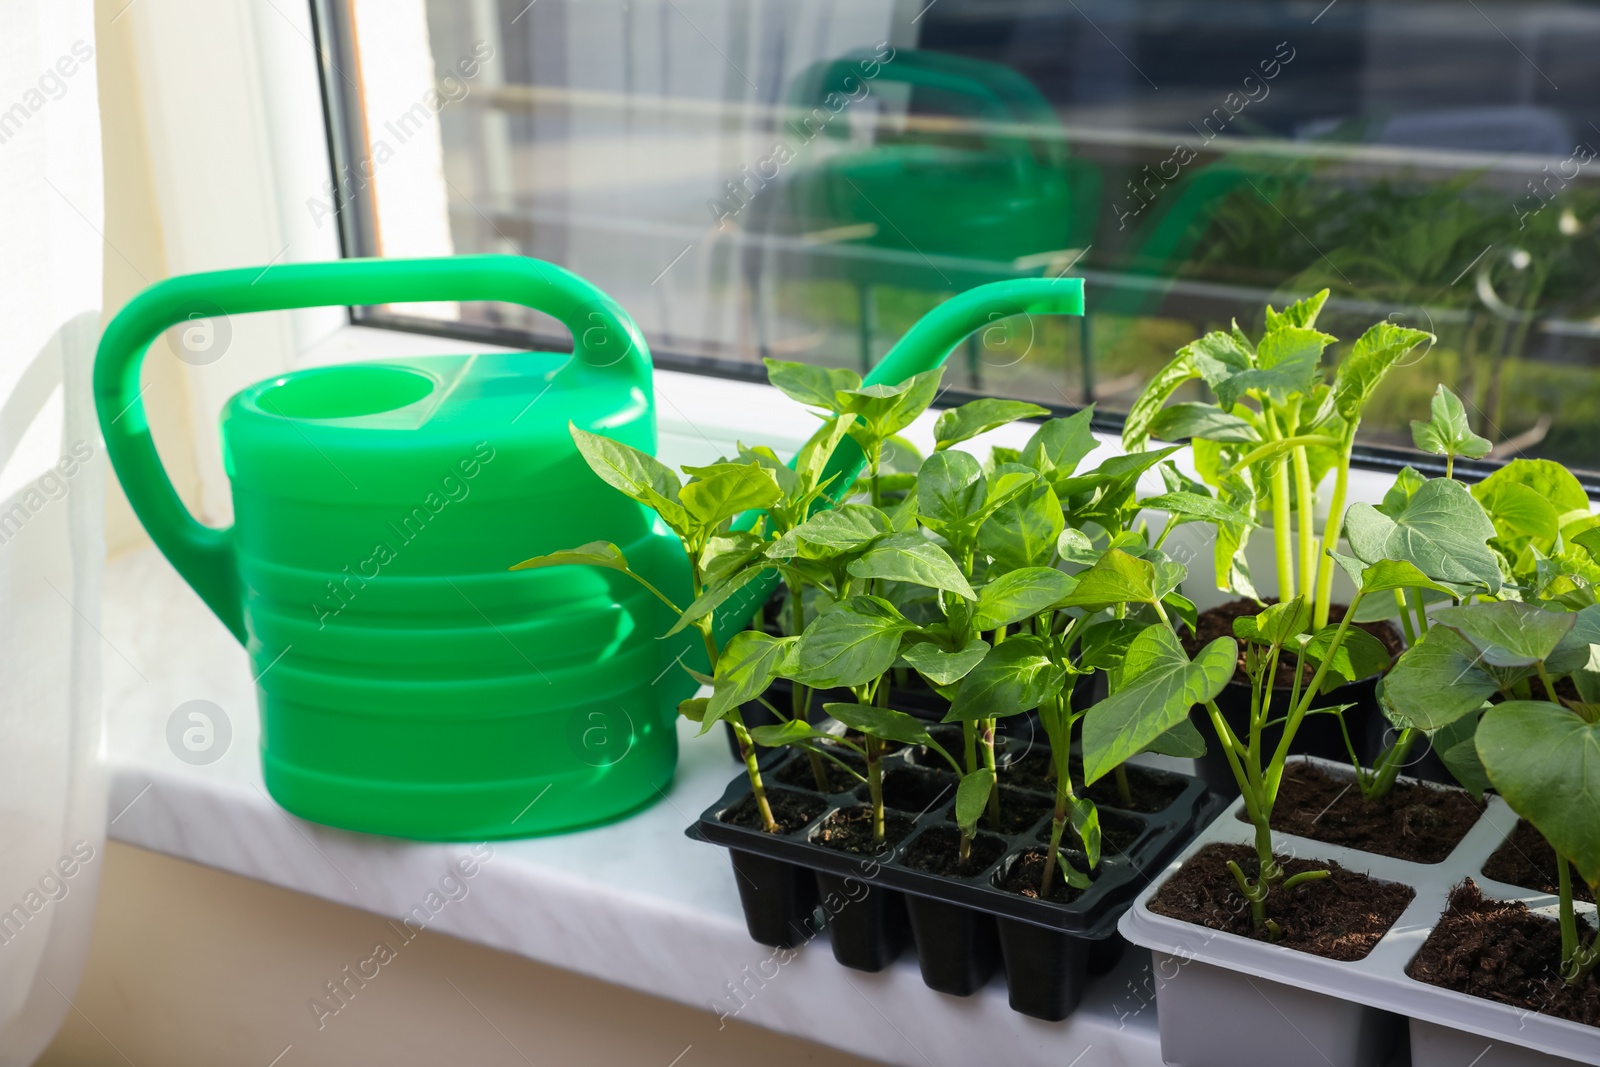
(962, 927)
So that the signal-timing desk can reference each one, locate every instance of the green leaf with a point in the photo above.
(1074, 546)
(1059, 445)
(594, 554)
(636, 474)
(793, 732)
(713, 597)
(1589, 541)
(1275, 624)
(1436, 681)
(945, 668)
(726, 489)
(1359, 656)
(1405, 486)
(850, 645)
(1545, 761)
(1015, 676)
(972, 798)
(726, 554)
(1300, 313)
(1188, 507)
(1456, 745)
(1104, 645)
(1441, 531)
(1168, 380)
(694, 709)
(1508, 633)
(1288, 361)
(885, 410)
(815, 387)
(951, 490)
(980, 416)
(1448, 433)
(1374, 355)
(1084, 818)
(1547, 478)
(813, 457)
(1387, 574)
(829, 533)
(746, 667)
(1116, 578)
(1179, 422)
(1160, 686)
(1020, 594)
(1023, 531)
(911, 557)
(882, 723)
(1184, 741)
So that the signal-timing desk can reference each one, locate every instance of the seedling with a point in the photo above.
(721, 561)
(1277, 428)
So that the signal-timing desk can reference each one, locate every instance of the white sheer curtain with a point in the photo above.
(52, 790)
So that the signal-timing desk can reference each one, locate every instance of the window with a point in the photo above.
(805, 178)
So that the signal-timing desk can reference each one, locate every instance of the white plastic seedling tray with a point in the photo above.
(1220, 996)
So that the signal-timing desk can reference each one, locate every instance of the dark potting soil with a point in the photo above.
(850, 830)
(789, 810)
(1023, 877)
(1150, 791)
(1500, 951)
(1413, 822)
(798, 773)
(1340, 917)
(1018, 811)
(1218, 622)
(1117, 834)
(913, 789)
(1527, 860)
(938, 852)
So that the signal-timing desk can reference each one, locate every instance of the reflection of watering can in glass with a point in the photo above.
(409, 684)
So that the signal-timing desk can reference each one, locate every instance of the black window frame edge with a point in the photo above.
(353, 213)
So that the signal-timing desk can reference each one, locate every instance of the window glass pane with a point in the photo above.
(805, 178)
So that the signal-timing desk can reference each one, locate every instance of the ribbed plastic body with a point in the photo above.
(409, 683)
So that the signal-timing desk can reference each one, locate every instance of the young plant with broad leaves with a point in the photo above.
(1538, 744)
(1280, 424)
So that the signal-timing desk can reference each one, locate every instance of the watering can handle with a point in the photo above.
(604, 338)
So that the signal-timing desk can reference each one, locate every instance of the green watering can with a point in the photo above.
(409, 683)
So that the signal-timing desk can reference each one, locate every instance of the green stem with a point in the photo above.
(1331, 534)
(875, 785)
(1569, 921)
(1307, 494)
(1389, 764)
(1419, 610)
(1281, 532)
(986, 727)
(969, 741)
(752, 769)
(1549, 686)
(1298, 713)
(1277, 443)
(1124, 790)
(1405, 617)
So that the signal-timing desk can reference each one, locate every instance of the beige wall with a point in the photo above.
(192, 967)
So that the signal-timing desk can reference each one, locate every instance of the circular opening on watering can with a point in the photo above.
(345, 392)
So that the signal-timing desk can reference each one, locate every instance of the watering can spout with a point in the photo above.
(929, 341)
(922, 348)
